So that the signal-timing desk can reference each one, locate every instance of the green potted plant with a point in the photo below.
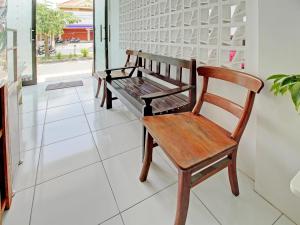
(283, 84)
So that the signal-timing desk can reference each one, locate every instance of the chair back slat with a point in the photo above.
(243, 79)
(224, 103)
(251, 83)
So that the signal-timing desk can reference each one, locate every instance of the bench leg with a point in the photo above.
(104, 95)
(148, 158)
(99, 87)
(183, 197)
(233, 174)
(108, 98)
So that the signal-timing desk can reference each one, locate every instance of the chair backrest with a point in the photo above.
(253, 85)
(152, 65)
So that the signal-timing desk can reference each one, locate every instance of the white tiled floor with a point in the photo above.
(81, 167)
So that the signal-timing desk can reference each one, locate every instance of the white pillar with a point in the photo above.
(278, 124)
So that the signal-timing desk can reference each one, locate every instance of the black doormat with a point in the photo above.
(62, 85)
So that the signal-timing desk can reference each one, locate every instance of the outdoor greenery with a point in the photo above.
(283, 84)
(59, 55)
(84, 52)
(51, 22)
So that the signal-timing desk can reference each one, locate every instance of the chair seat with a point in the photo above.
(114, 74)
(189, 140)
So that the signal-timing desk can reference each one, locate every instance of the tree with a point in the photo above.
(51, 22)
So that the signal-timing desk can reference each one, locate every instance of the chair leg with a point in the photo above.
(183, 197)
(148, 158)
(144, 143)
(99, 87)
(233, 174)
(104, 95)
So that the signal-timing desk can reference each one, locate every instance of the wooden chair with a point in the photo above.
(130, 64)
(197, 146)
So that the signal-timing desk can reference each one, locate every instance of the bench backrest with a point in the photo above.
(251, 83)
(152, 65)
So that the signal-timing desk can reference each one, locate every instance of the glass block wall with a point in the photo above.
(212, 31)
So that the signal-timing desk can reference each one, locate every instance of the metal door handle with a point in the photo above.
(109, 33)
(101, 38)
(32, 34)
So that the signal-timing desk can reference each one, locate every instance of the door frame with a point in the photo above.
(106, 35)
(33, 81)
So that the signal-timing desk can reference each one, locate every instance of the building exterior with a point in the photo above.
(83, 9)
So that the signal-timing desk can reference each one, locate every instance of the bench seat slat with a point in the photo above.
(137, 86)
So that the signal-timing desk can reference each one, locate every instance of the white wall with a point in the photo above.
(278, 134)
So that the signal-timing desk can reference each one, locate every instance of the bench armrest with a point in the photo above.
(121, 68)
(166, 93)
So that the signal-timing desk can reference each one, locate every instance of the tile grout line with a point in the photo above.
(277, 219)
(37, 168)
(77, 169)
(205, 206)
(156, 193)
(103, 167)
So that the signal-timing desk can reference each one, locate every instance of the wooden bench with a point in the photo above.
(126, 71)
(146, 96)
(149, 93)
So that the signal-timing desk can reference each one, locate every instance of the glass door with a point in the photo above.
(101, 35)
(27, 42)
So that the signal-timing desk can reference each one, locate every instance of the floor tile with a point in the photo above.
(19, 213)
(62, 100)
(26, 173)
(125, 169)
(68, 128)
(118, 139)
(248, 208)
(31, 138)
(114, 221)
(34, 118)
(160, 209)
(92, 106)
(63, 157)
(165, 157)
(61, 92)
(81, 197)
(86, 94)
(284, 221)
(108, 118)
(31, 104)
(64, 112)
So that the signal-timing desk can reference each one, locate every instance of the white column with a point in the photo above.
(278, 124)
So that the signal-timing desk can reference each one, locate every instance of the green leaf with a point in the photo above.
(277, 77)
(289, 80)
(295, 93)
